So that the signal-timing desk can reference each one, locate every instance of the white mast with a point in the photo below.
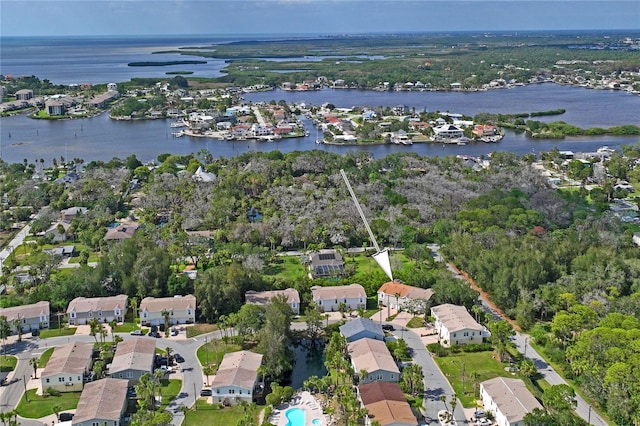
(381, 256)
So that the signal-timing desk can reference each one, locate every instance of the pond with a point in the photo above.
(308, 361)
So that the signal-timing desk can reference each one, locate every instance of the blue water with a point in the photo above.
(296, 417)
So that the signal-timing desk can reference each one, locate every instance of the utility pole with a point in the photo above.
(24, 382)
(463, 379)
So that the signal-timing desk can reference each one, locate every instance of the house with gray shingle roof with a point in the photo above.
(508, 400)
(67, 367)
(81, 310)
(103, 402)
(361, 328)
(373, 357)
(182, 310)
(455, 325)
(237, 377)
(133, 358)
(32, 317)
(261, 298)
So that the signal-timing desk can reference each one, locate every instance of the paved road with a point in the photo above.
(435, 384)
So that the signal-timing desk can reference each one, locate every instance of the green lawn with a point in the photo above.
(416, 322)
(205, 413)
(44, 358)
(8, 363)
(40, 406)
(55, 332)
(213, 351)
(169, 390)
(198, 329)
(287, 267)
(128, 327)
(481, 363)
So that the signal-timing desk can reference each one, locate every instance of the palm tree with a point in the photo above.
(208, 370)
(56, 410)
(95, 326)
(167, 321)
(34, 363)
(112, 325)
(133, 304)
(168, 350)
(16, 324)
(5, 330)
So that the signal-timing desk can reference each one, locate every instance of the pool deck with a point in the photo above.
(306, 402)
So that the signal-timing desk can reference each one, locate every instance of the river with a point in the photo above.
(100, 138)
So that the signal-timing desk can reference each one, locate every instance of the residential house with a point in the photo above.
(63, 251)
(508, 400)
(58, 232)
(373, 357)
(361, 328)
(331, 299)
(81, 310)
(24, 94)
(67, 367)
(237, 378)
(201, 176)
(121, 232)
(67, 215)
(396, 295)
(455, 325)
(326, 263)
(55, 107)
(263, 297)
(102, 403)
(181, 309)
(386, 404)
(31, 317)
(133, 358)
(447, 131)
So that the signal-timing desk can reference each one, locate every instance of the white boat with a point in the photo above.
(177, 124)
(177, 134)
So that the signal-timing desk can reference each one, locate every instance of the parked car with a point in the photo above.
(35, 332)
(388, 327)
(65, 417)
(178, 358)
(174, 332)
(136, 333)
(166, 369)
(206, 392)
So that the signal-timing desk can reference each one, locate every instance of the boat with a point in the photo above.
(319, 141)
(177, 134)
(176, 124)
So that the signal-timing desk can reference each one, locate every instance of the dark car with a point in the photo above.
(178, 358)
(206, 392)
(388, 327)
(65, 417)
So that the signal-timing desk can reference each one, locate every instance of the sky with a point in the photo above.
(186, 17)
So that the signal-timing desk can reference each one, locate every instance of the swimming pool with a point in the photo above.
(296, 417)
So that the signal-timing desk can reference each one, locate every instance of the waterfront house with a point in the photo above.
(455, 325)
(237, 378)
(133, 358)
(31, 317)
(121, 232)
(181, 309)
(24, 94)
(67, 367)
(386, 404)
(508, 400)
(372, 361)
(447, 131)
(331, 299)
(395, 295)
(262, 298)
(361, 328)
(102, 403)
(54, 107)
(81, 310)
(326, 263)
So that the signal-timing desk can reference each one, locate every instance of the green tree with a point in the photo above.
(34, 363)
(501, 333)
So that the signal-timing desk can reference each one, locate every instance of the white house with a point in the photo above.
(508, 400)
(182, 310)
(237, 377)
(81, 310)
(67, 367)
(31, 317)
(455, 325)
(329, 299)
(103, 402)
(395, 295)
(263, 297)
(373, 357)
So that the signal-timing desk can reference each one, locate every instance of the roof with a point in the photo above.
(121, 232)
(34, 310)
(238, 369)
(454, 317)
(511, 396)
(264, 297)
(391, 413)
(351, 328)
(103, 399)
(371, 355)
(97, 304)
(338, 292)
(394, 287)
(326, 262)
(71, 358)
(134, 354)
(176, 303)
(380, 391)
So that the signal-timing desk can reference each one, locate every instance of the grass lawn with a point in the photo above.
(55, 332)
(197, 329)
(415, 322)
(44, 358)
(8, 363)
(40, 406)
(213, 351)
(288, 267)
(128, 327)
(169, 390)
(480, 363)
(205, 413)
